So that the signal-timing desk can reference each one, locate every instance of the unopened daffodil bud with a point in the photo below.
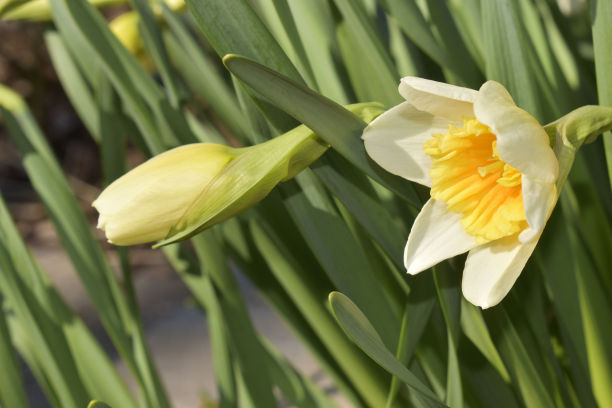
(125, 28)
(145, 203)
(11, 100)
(38, 10)
(190, 188)
(187, 189)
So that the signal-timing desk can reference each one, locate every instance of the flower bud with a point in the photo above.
(190, 188)
(145, 203)
(38, 10)
(11, 100)
(125, 28)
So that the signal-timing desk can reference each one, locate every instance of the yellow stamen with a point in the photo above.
(470, 177)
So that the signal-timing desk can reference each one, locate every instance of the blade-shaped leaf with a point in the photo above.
(509, 58)
(12, 390)
(601, 17)
(361, 331)
(330, 121)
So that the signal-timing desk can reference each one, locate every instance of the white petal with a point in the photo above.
(436, 235)
(395, 141)
(491, 270)
(439, 99)
(539, 200)
(521, 140)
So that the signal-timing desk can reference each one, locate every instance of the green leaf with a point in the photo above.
(408, 58)
(482, 381)
(475, 328)
(249, 351)
(361, 331)
(111, 133)
(411, 20)
(84, 251)
(590, 219)
(510, 58)
(202, 76)
(306, 291)
(462, 65)
(330, 121)
(200, 284)
(368, 59)
(299, 390)
(61, 350)
(231, 26)
(521, 361)
(467, 15)
(529, 295)
(419, 307)
(150, 32)
(279, 19)
(416, 316)
(253, 262)
(554, 256)
(12, 391)
(316, 27)
(448, 286)
(73, 83)
(340, 255)
(160, 124)
(448, 50)
(548, 45)
(601, 18)
(595, 308)
(353, 189)
(363, 71)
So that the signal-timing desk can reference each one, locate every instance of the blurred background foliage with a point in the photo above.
(146, 76)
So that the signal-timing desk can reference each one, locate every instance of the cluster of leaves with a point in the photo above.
(338, 227)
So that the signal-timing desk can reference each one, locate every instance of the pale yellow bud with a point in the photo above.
(125, 28)
(188, 189)
(11, 100)
(38, 10)
(146, 202)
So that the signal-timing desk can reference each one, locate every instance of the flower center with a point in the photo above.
(470, 177)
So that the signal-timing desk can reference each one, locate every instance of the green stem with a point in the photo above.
(570, 132)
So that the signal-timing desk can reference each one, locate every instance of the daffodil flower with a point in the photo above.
(492, 175)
